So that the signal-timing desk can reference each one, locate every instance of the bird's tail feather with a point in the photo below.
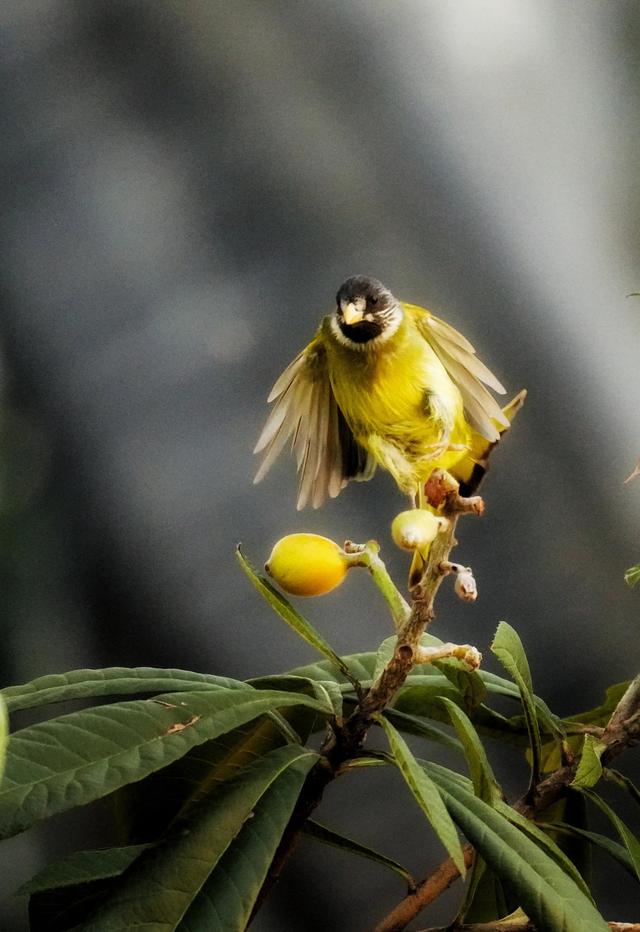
(469, 472)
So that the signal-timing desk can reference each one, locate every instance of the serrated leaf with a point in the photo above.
(508, 648)
(425, 792)
(291, 616)
(72, 760)
(632, 576)
(589, 767)
(227, 899)
(548, 896)
(612, 848)
(165, 881)
(83, 867)
(145, 809)
(629, 840)
(484, 782)
(113, 681)
(326, 835)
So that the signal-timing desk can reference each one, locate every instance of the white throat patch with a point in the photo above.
(392, 323)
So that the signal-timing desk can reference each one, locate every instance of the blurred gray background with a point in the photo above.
(184, 187)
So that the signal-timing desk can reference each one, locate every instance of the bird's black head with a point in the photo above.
(365, 309)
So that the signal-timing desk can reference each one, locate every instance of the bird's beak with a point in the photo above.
(352, 314)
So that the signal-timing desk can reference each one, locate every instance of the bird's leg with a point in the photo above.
(441, 490)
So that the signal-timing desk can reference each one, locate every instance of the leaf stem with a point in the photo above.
(368, 555)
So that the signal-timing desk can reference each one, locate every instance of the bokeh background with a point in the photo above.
(184, 186)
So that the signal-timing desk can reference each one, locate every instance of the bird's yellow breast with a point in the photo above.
(400, 403)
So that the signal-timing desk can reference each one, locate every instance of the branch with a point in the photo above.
(621, 733)
(345, 741)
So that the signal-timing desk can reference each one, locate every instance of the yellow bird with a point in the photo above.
(382, 383)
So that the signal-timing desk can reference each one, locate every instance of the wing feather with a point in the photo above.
(459, 359)
(306, 412)
(445, 331)
(286, 378)
(471, 362)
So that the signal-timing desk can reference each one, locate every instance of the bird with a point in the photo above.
(382, 383)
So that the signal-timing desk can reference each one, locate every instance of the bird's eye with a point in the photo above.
(373, 301)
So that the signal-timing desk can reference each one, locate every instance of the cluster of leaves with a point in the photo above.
(204, 773)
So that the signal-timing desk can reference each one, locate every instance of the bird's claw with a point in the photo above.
(443, 491)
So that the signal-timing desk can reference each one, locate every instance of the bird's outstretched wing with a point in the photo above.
(470, 375)
(306, 410)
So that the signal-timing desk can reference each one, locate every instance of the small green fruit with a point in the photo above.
(307, 564)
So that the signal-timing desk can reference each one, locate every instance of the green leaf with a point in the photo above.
(445, 776)
(363, 667)
(627, 837)
(468, 682)
(572, 809)
(548, 722)
(484, 898)
(384, 655)
(165, 881)
(548, 896)
(326, 691)
(72, 760)
(612, 848)
(548, 845)
(589, 767)
(144, 810)
(425, 792)
(228, 898)
(83, 867)
(508, 648)
(326, 835)
(360, 666)
(417, 726)
(485, 784)
(114, 681)
(632, 576)
(423, 701)
(387, 647)
(291, 616)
